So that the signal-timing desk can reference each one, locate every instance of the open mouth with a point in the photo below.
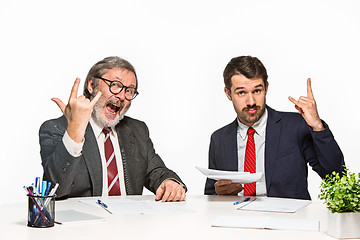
(113, 108)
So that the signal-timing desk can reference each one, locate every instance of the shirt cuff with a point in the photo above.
(177, 181)
(74, 148)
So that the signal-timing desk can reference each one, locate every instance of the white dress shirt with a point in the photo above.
(259, 138)
(75, 149)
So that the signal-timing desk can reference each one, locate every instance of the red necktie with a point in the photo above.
(250, 162)
(112, 171)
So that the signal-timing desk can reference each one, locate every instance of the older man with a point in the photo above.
(95, 150)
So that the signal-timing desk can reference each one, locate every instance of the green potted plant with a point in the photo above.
(342, 198)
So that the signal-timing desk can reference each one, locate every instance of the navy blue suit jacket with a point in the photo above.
(290, 145)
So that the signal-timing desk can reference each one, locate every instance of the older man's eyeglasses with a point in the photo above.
(116, 87)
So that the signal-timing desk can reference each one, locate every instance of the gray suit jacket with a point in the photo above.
(82, 176)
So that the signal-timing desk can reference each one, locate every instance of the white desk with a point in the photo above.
(187, 225)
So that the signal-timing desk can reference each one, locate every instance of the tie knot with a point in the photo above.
(106, 131)
(251, 131)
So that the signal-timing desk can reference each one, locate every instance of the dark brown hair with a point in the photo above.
(250, 67)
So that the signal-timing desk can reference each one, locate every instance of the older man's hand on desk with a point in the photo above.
(227, 187)
(170, 191)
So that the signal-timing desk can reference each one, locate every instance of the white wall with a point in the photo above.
(179, 50)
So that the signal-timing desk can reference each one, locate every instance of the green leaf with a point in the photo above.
(341, 194)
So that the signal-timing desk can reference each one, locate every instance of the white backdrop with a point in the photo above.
(179, 49)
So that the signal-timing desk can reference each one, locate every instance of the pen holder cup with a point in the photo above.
(41, 211)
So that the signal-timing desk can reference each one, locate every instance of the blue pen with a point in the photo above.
(43, 188)
(48, 188)
(245, 200)
(37, 185)
(103, 205)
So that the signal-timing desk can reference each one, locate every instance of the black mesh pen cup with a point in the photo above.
(41, 211)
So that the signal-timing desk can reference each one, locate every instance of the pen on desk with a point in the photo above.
(103, 205)
(248, 202)
(244, 200)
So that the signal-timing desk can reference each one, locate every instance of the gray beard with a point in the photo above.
(97, 113)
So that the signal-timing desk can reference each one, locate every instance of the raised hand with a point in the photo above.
(307, 108)
(77, 112)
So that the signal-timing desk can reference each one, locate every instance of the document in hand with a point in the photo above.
(266, 223)
(239, 177)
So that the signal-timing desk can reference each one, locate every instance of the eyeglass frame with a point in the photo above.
(123, 86)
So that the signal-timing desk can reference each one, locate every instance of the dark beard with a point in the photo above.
(250, 120)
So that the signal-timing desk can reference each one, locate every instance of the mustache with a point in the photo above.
(115, 101)
(249, 107)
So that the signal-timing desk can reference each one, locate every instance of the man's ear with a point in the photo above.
(228, 93)
(90, 86)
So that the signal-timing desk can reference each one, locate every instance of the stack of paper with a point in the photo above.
(266, 223)
(121, 206)
(73, 216)
(269, 204)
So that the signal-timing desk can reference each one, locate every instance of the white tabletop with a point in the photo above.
(195, 224)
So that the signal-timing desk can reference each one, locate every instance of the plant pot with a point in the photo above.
(343, 225)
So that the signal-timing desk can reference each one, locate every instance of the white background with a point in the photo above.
(179, 49)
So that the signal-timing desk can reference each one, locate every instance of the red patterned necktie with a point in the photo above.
(250, 162)
(112, 170)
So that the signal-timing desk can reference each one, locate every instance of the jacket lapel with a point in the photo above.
(230, 146)
(128, 147)
(93, 161)
(273, 130)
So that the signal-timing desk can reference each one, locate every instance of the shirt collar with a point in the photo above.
(97, 128)
(259, 126)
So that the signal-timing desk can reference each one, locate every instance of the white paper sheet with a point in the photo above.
(73, 216)
(266, 223)
(239, 177)
(121, 206)
(268, 204)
